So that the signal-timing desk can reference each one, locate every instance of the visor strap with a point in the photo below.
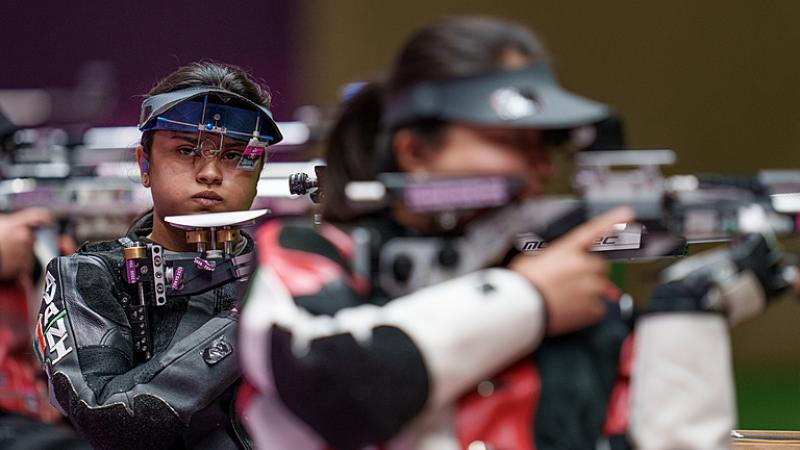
(178, 122)
(221, 144)
(202, 122)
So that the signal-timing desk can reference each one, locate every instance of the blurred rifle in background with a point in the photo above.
(91, 183)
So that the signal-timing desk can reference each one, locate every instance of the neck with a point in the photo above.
(429, 223)
(168, 236)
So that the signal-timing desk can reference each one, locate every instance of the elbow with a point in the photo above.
(352, 393)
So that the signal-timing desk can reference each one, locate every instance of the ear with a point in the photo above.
(411, 152)
(144, 165)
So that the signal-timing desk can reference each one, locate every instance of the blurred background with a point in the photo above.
(717, 81)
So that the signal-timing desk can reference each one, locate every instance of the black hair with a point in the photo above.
(358, 149)
(211, 74)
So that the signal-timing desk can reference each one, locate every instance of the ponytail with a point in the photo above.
(359, 148)
(355, 150)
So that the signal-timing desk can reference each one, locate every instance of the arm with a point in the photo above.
(85, 340)
(360, 374)
(682, 392)
(16, 249)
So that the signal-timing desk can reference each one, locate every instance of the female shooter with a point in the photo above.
(131, 372)
(341, 349)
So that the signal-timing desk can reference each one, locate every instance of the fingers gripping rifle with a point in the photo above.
(158, 274)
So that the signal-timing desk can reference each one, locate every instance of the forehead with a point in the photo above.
(499, 134)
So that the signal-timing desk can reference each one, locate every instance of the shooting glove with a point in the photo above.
(737, 281)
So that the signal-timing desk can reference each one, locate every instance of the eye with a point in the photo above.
(231, 155)
(187, 151)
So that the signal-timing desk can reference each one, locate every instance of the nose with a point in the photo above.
(542, 166)
(539, 170)
(208, 171)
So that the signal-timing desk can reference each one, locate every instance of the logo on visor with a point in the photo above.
(513, 104)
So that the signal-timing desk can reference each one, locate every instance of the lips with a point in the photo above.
(207, 198)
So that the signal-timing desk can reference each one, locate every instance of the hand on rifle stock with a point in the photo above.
(571, 279)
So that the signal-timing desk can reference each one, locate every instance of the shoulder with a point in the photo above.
(94, 266)
(324, 240)
(80, 272)
(100, 247)
(82, 282)
(106, 254)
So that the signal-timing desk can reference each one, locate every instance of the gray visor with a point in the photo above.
(527, 98)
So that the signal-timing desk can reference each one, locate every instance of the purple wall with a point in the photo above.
(45, 46)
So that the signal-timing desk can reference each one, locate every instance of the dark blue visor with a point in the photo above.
(209, 110)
